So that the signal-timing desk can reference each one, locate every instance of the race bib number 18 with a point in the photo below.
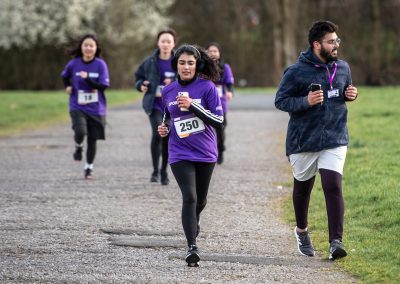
(85, 97)
(187, 125)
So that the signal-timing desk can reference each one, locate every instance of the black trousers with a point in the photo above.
(193, 179)
(158, 145)
(92, 126)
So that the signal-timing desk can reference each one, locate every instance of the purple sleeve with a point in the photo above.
(228, 76)
(66, 73)
(104, 78)
(211, 112)
(213, 101)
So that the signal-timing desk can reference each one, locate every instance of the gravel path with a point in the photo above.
(56, 227)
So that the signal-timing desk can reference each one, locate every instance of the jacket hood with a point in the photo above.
(309, 57)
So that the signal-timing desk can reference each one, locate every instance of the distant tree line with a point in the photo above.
(259, 38)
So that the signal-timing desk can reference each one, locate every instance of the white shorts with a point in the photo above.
(306, 165)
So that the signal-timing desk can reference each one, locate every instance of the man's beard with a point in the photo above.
(325, 54)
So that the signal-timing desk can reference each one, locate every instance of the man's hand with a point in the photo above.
(316, 97)
(351, 93)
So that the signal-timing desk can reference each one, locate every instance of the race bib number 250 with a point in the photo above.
(187, 125)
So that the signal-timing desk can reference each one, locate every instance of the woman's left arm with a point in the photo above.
(213, 115)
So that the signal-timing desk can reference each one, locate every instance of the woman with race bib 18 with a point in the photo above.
(85, 79)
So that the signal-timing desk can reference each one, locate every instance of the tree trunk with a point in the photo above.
(277, 23)
(290, 15)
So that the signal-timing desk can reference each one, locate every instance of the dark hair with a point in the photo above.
(220, 62)
(77, 50)
(213, 43)
(319, 29)
(167, 31)
(205, 66)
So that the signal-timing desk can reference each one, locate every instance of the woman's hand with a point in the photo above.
(184, 101)
(83, 74)
(163, 130)
(145, 86)
(229, 95)
(68, 90)
(167, 81)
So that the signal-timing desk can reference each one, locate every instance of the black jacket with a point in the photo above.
(149, 71)
(312, 129)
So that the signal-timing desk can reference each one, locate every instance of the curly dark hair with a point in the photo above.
(205, 66)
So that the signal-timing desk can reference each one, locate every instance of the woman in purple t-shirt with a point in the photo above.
(192, 113)
(152, 75)
(225, 91)
(85, 79)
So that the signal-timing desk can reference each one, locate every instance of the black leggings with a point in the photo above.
(221, 136)
(91, 145)
(90, 126)
(159, 146)
(332, 186)
(193, 179)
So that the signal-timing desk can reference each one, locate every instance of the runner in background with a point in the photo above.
(225, 92)
(85, 79)
(152, 75)
(193, 110)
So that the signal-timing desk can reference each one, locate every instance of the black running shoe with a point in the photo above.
(220, 159)
(304, 244)
(336, 250)
(154, 177)
(88, 174)
(78, 154)
(164, 178)
(192, 257)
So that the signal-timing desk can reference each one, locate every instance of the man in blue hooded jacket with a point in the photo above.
(317, 135)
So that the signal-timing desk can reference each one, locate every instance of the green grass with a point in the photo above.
(371, 186)
(22, 110)
(255, 90)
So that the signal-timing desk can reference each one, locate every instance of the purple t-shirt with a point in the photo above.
(83, 97)
(165, 72)
(191, 139)
(221, 86)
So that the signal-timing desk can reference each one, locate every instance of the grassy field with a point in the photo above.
(371, 177)
(371, 186)
(22, 110)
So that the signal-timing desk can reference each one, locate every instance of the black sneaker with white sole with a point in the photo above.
(336, 250)
(88, 174)
(192, 257)
(304, 244)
